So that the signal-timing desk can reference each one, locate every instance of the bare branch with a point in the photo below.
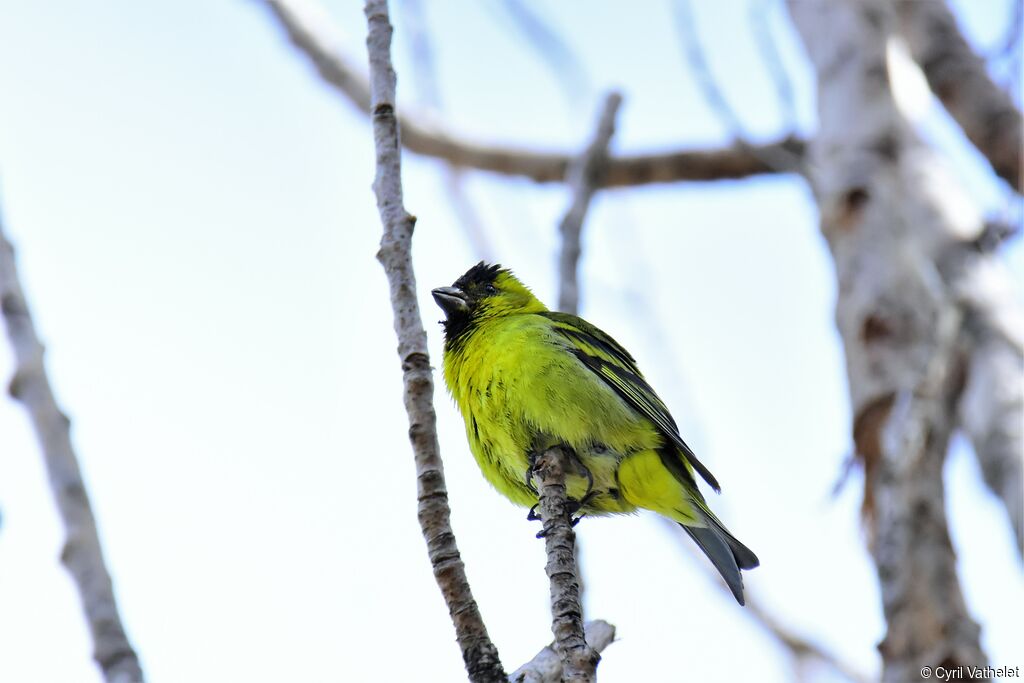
(958, 77)
(991, 412)
(584, 178)
(991, 408)
(889, 211)
(310, 32)
(694, 53)
(478, 653)
(473, 226)
(1011, 39)
(1010, 48)
(546, 666)
(82, 554)
(781, 160)
(429, 94)
(760, 26)
(800, 649)
(562, 61)
(579, 660)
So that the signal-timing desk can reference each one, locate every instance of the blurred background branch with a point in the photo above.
(583, 179)
(311, 33)
(887, 212)
(959, 78)
(82, 554)
(134, 156)
(802, 650)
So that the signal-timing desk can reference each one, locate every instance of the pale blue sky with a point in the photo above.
(196, 232)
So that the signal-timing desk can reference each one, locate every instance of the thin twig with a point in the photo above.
(584, 179)
(579, 660)
(478, 653)
(1010, 49)
(546, 666)
(82, 554)
(781, 160)
(428, 91)
(562, 61)
(800, 648)
(310, 31)
(708, 84)
(759, 19)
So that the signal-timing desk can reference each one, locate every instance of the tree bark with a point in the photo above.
(310, 31)
(960, 80)
(890, 213)
(579, 660)
(82, 554)
(395, 255)
(546, 666)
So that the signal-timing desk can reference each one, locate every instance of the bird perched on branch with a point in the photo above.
(527, 379)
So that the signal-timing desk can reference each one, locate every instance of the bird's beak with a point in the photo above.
(450, 300)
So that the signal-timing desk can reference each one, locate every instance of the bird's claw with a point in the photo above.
(532, 515)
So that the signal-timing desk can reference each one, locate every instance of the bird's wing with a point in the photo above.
(613, 364)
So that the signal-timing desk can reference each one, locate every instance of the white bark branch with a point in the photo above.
(546, 666)
(890, 211)
(584, 179)
(310, 32)
(959, 78)
(82, 554)
(478, 652)
(991, 407)
(579, 660)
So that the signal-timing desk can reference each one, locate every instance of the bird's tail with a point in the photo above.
(723, 549)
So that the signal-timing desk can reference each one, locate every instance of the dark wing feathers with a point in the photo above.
(612, 363)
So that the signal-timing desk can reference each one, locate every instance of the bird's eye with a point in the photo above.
(490, 289)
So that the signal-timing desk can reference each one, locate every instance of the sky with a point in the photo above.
(195, 232)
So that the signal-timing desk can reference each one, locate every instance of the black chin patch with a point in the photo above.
(456, 327)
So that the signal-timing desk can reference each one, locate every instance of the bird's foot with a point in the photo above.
(532, 515)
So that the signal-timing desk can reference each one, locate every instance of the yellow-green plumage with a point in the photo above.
(526, 379)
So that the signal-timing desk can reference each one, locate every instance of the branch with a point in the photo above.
(800, 648)
(546, 666)
(82, 554)
(958, 77)
(781, 160)
(992, 412)
(579, 660)
(310, 32)
(478, 653)
(563, 63)
(584, 178)
(991, 408)
(759, 20)
(713, 95)
(429, 94)
(889, 212)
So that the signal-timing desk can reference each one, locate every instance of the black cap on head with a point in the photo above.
(480, 274)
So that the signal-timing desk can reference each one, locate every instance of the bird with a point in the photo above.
(527, 379)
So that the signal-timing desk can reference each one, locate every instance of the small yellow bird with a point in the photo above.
(527, 379)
